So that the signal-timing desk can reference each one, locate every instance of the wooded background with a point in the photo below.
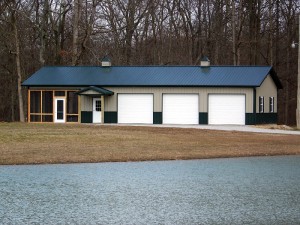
(34, 33)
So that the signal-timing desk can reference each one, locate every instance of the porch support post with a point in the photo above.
(102, 108)
(28, 105)
(79, 108)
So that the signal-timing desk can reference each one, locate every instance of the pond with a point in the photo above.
(258, 190)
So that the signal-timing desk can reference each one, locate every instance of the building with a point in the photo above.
(153, 94)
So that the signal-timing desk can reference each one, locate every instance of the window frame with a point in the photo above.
(271, 104)
(98, 107)
(261, 104)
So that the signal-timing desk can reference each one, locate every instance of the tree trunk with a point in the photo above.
(271, 34)
(42, 33)
(18, 64)
(90, 19)
(233, 33)
(12, 99)
(298, 82)
(76, 18)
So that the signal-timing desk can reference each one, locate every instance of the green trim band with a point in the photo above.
(266, 118)
(157, 117)
(86, 117)
(203, 118)
(110, 117)
(261, 118)
(250, 119)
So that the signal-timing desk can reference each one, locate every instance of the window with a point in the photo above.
(47, 100)
(98, 106)
(41, 106)
(35, 101)
(271, 104)
(35, 106)
(47, 106)
(261, 104)
(72, 106)
(72, 102)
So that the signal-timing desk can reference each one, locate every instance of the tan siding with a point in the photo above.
(267, 89)
(111, 101)
(86, 103)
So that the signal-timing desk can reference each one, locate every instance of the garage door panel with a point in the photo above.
(135, 108)
(180, 109)
(226, 109)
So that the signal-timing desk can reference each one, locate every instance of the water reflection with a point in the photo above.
(219, 191)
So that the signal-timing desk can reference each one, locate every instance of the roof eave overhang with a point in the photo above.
(154, 85)
(275, 78)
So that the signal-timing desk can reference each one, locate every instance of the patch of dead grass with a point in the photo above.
(22, 143)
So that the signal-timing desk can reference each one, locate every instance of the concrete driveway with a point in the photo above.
(222, 127)
(242, 128)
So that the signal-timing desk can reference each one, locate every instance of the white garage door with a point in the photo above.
(135, 108)
(226, 109)
(180, 109)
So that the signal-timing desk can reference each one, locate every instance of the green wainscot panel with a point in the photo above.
(266, 118)
(250, 118)
(110, 117)
(86, 117)
(203, 118)
(157, 117)
(261, 118)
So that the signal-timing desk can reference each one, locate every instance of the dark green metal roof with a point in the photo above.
(181, 76)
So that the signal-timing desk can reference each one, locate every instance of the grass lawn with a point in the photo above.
(23, 143)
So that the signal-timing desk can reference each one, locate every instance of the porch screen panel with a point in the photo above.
(72, 118)
(47, 118)
(35, 102)
(35, 118)
(72, 102)
(47, 101)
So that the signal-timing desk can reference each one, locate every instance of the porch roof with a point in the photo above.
(94, 91)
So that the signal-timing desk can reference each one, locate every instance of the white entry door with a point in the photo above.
(59, 110)
(96, 110)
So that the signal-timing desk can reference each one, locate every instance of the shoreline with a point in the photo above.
(154, 160)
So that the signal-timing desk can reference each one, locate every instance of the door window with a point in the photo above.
(60, 109)
(98, 105)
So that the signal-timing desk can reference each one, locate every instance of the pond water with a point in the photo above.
(258, 190)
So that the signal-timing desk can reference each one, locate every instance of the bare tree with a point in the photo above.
(71, 32)
(76, 18)
(13, 10)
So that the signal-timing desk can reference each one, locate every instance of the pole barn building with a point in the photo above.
(153, 94)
